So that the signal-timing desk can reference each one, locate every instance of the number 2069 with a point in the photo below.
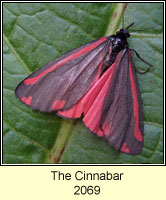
(83, 190)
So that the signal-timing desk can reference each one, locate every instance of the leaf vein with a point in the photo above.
(24, 136)
(70, 22)
(14, 52)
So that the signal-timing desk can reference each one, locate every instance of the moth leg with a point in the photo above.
(142, 72)
(140, 57)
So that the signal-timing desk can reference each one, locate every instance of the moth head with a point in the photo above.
(124, 32)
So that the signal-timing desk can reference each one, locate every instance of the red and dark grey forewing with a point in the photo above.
(133, 145)
(122, 116)
(62, 83)
(116, 113)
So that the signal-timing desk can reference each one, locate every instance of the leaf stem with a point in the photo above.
(115, 18)
(63, 136)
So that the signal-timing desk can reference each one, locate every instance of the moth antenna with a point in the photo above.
(146, 28)
(129, 26)
(123, 20)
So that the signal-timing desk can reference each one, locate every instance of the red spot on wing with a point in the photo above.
(31, 81)
(27, 100)
(124, 148)
(58, 104)
(137, 132)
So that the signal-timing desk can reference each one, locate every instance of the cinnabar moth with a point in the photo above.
(97, 80)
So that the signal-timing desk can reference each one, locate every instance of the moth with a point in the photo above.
(97, 81)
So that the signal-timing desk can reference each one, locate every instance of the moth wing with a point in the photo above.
(61, 83)
(116, 113)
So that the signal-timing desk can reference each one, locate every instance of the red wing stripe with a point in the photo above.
(31, 81)
(137, 132)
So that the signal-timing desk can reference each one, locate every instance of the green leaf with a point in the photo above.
(36, 33)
